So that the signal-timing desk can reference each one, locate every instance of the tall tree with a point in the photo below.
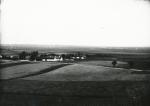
(34, 55)
(23, 55)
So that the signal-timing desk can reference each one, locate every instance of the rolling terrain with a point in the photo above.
(82, 71)
(55, 83)
(82, 83)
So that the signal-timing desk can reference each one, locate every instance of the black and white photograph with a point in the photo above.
(74, 52)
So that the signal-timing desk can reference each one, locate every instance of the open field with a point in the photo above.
(19, 71)
(139, 56)
(9, 63)
(105, 63)
(80, 93)
(80, 83)
(82, 72)
(139, 65)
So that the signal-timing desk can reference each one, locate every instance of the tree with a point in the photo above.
(34, 55)
(23, 55)
(114, 62)
(63, 56)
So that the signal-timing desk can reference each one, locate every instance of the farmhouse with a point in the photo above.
(83, 57)
(79, 57)
(14, 57)
(52, 58)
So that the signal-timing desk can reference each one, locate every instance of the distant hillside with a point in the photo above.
(68, 49)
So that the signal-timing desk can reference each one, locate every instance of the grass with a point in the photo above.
(142, 65)
(12, 63)
(84, 72)
(43, 71)
(25, 70)
(85, 83)
(105, 93)
(81, 84)
(105, 63)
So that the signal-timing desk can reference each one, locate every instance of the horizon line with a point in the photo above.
(65, 45)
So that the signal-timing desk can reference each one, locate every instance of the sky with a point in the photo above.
(114, 23)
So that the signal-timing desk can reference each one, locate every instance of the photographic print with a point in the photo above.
(75, 53)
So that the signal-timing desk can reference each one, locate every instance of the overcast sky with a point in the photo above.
(76, 22)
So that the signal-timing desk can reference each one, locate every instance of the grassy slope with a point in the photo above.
(78, 84)
(18, 71)
(82, 72)
(120, 64)
(139, 65)
(27, 92)
(13, 63)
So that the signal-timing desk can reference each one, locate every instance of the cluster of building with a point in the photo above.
(9, 57)
(60, 57)
(50, 58)
(46, 57)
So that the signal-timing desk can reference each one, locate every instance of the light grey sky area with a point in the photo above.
(115, 23)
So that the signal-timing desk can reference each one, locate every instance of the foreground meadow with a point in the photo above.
(81, 84)
(84, 72)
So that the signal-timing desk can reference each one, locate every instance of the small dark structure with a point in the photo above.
(114, 62)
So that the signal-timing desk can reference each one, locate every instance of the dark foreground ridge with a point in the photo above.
(74, 93)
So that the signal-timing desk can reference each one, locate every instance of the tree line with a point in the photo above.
(33, 55)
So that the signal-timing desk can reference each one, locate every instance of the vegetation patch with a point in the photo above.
(4, 65)
(35, 68)
(42, 71)
(106, 93)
